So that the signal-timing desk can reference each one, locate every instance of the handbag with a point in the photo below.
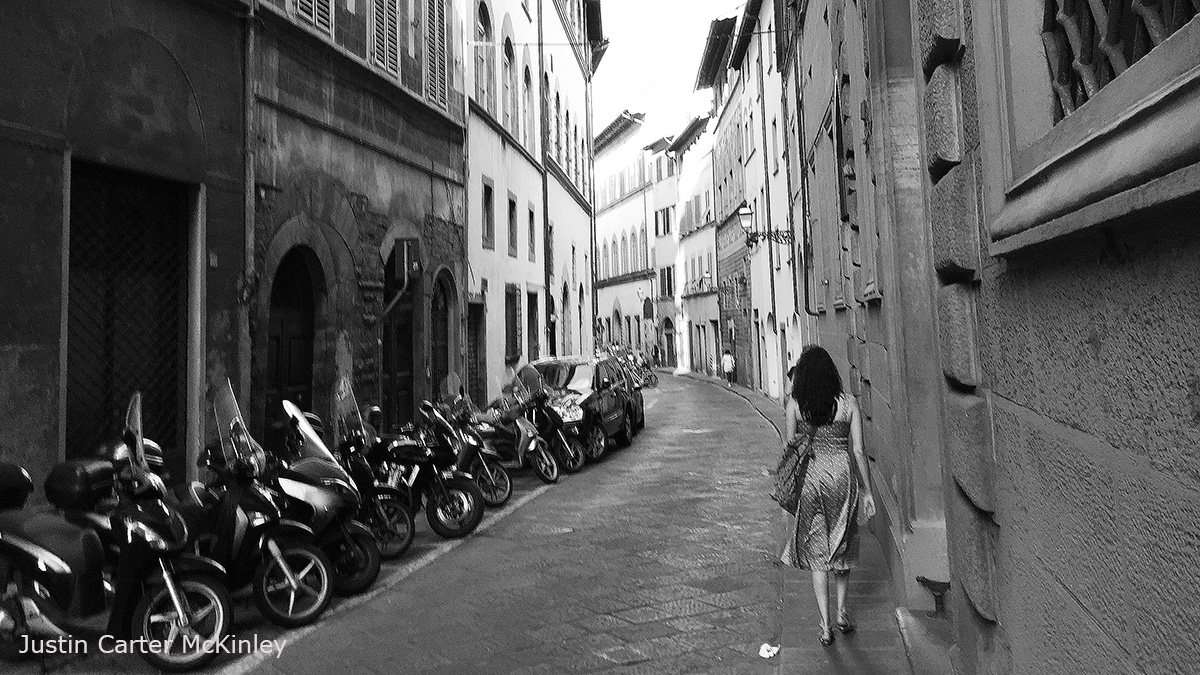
(789, 475)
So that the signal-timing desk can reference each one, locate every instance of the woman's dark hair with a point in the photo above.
(816, 386)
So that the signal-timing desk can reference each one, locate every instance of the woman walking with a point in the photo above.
(826, 421)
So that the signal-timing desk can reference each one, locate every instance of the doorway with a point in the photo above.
(396, 382)
(290, 337)
(669, 336)
(126, 307)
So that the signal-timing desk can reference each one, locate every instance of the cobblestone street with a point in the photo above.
(655, 561)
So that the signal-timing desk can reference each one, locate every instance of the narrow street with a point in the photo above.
(655, 561)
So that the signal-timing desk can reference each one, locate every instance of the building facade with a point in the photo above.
(530, 177)
(123, 195)
(359, 232)
(699, 316)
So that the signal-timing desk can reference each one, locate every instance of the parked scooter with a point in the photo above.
(240, 520)
(309, 473)
(384, 509)
(421, 462)
(174, 603)
(507, 432)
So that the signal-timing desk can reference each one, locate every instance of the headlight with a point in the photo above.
(344, 490)
(144, 532)
(569, 412)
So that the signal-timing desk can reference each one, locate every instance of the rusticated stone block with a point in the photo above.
(969, 447)
(957, 333)
(940, 29)
(954, 216)
(973, 536)
(943, 121)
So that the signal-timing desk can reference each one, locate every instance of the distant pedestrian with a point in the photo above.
(727, 366)
(825, 425)
(655, 355)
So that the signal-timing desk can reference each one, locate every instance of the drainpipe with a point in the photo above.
(249, 187)
(803, 159)
(762, 105)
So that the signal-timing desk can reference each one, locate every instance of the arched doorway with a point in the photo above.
(290, 334)
(397, 382)
(440, 336)
(669, 338)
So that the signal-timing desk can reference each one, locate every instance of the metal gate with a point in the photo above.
(126, 319)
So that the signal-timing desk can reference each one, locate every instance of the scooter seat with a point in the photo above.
(78, 547)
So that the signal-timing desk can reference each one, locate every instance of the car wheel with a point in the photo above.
(597, 442)
(625, 435)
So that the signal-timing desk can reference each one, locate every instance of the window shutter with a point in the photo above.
(319, 13)
(387, 35)
(436, 86)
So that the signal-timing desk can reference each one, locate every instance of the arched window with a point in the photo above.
(578, 158)
(567, 146)
(635, 255)
(624, 254)
(511, 111)
(485, 76)
(529, 111)
(557, 128)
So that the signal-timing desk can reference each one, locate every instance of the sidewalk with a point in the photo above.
(877, 645)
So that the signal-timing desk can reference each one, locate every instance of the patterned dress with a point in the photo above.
(825, 532)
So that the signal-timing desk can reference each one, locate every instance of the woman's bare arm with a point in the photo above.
(856, 445)
(792, 412)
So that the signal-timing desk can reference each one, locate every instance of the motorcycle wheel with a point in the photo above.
(393, 525)
(455, 512)
(356, 563)
(497, 490)
(544, 464)
(571, 456)
(275, 597)
(597, 442)
(209, 608)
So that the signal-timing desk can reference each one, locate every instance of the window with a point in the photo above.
(670, 166)
(624, 254)
(662, 222)
(530, 116)
(512, 321)
(532, 237)
(557, 142)
(666, 282)
(658, 174)
(489, 217)
(386, 50)
(512, 226)
(775, 143)
(604, 261)
(634, 254)
(510, 88)
(484, 75)
(317, 13)
(534, 330)
(578, 152)
(437, 87)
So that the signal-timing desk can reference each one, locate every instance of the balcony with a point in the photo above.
(697, 287)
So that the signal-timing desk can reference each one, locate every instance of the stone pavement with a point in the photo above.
(656, 560)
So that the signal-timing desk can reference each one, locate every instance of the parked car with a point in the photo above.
(603, 395)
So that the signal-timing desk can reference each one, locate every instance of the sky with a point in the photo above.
(654, 53)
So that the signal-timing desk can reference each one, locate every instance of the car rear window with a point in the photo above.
(576, 376)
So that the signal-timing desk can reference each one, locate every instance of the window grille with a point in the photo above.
(1088, 44)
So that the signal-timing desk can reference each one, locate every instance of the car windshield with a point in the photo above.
(573, 376)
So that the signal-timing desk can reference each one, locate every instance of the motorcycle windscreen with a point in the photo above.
(529, 380)
(455, 395)
(347, 416)
(133, 433)
(311, 444)
(236, 442)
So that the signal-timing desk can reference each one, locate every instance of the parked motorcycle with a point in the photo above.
(474, 455)
(549, 418)
(508, 433)
(421, 462)
(173, 602)
(384, 509)
(309, 473)
(242, 521)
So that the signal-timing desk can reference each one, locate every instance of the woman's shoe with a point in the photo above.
(826, 636)
(844, 625)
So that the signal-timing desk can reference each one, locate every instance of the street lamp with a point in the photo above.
(746, 219)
